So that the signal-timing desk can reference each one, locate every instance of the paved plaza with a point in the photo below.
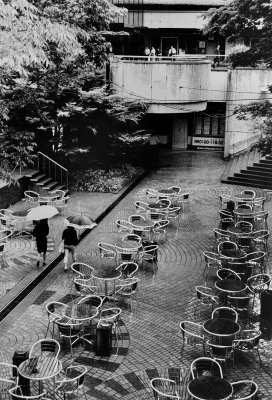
(149, 341)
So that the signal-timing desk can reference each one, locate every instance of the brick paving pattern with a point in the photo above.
(149, 338)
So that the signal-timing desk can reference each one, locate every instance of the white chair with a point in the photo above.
(192, 333)
(71, 382)
(47, 346)
(61, 204)
(54, 311)
(127, 289)
(82, 270)
(164, 388)
(244, 390)
(141, 206)
(8, 377)
(206, 366)
(16, 393)
(32, 198)
(107, 250)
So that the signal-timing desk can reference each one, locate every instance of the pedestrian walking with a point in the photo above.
(69, 238)
(40, 232)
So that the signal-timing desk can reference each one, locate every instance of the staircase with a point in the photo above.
(49, 176)
(249, 169)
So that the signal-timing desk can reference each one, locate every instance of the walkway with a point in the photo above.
(150, 342)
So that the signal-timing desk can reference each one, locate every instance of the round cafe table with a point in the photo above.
(40, 368)
(147, 223)
(230, 285)
(128, 244)
(209, 388)
(156, 206)
(167, 191)
(221, 327)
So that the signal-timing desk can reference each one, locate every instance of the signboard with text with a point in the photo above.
(202, 141)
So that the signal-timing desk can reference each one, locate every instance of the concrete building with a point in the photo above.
(191, 98)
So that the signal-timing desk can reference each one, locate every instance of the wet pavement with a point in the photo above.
(149, 341)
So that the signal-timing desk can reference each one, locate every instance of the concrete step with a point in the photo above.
(38, 178)
(44, 182)
(248, 175)
(241, 180)
(264, 173)
(51, 186)
(32, 174)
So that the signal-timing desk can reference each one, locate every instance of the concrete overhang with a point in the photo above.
(176, 108)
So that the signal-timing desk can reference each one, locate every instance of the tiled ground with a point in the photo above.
(149, 339)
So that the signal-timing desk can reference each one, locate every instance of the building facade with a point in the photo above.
(192, 96)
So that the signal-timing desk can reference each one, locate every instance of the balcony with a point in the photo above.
(177, 84)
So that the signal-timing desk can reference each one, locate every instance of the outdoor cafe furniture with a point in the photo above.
(212, 262)
(232, 254)
(245, 389)
(82, 270)
(127, 250)
(54, 310)
(123, 226)
(192, 333)
(164, 388)
(157, 206)
(31, 198)
(135, 217)
(21, 225)
(206, 383)
(107, 250)
(16, 393)
(260, 239)
(221, 330)
(40, 368)
(159, 230)
(106, 275)
(128, 269)
(8, 377)
(225, 312)
(258, 284)
(80, 312)
(205, 297)
(71, 331)
(72, 381)
(149, 254)
(247, 342)
(126, 289)
(47, 200)
(45, 346)
(233, 286)
(109, 317)
(141, 206)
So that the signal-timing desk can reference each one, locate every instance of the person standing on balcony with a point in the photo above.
(147, 52)
(152, 52)
(172, 52)
(40, 232)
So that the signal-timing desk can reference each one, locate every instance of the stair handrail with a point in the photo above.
(56, 164)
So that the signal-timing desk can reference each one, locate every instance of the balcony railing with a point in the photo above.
(214, 58)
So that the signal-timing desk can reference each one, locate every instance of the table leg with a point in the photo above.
(106, 288)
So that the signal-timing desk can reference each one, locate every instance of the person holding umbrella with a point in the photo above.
(41, 232)
(69, 238)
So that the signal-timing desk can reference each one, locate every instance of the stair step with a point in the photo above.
(265, 173)
(51, 186)
(232, 181)
(249, 181)
(44, 182)
(38, 178)
(266, 161)
(32, 174)
(261, 167)
(253, 177)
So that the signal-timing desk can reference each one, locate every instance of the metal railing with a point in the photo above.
(215, 59)
(52, 169)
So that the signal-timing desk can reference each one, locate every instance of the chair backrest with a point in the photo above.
(16, 393)
(245, 225)
(109, 315)
(221, 235)
(250, 338)
(123, 225)
(248, 192)
(161, 225)
(219, 352)
(127, 286)
(128, 268)
(259, 202)
(176, 189)
(211, 258)
(30, 195)
(85, 286)
(45, 345)
(55, 308)
(261, 234)
(150, 250)
(191, 329)
(136, 217)
(58, 192)
(225, 214)
(205, 294)
(259, 283)
(82, 270)
(92, 300)
(141, 206)
(107, 250)
(69, 329)
(244, 390)
(257, 256)
(206, 366)
(225, 312)
(226, 273)
(133, 237)
(227, 245)
(164, 388)
(240, 303)
(165, 202)
(76, 373)
(8, 374)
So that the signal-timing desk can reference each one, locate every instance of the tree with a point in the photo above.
(261, 113)
(248, 19)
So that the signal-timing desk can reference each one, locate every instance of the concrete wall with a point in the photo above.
(244, 86)
(162, 82)
(218, 85)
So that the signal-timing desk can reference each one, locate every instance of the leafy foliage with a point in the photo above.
(95, 180)
(261, 113)
(249, 19)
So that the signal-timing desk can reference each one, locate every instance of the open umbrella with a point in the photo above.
(81, 221)
(41, 212)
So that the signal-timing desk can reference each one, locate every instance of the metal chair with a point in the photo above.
(248, 192)
(220, 353)
(258, 203)
(212, 262)
(164, 388)
(247, 342)
(260, 238)
(192, 334)
(107, 250)
(241, 305)
(149, 254)
(71, 331)
(124, 226)
(227, 245)
(16, 393)
(54, 311)
(256, 259)
(82, 270)
(48, 346)
(159, 230)
(226, 273)
(72, 381)
(225, 312)
(173, 214)
(141, 207)
(58, 192)
(127, 289)
(206, 366)
(128, 269)
(176, 189)
(220, 235)
(136, 217)
(85, 287)
(32, 198)
(244, 390)
(132, 237)
(242, 269)
(247, 227)
(258, 284)
(205, 297)
(261, 219)
(8, 377)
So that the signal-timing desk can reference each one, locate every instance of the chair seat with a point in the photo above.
(68, 387)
